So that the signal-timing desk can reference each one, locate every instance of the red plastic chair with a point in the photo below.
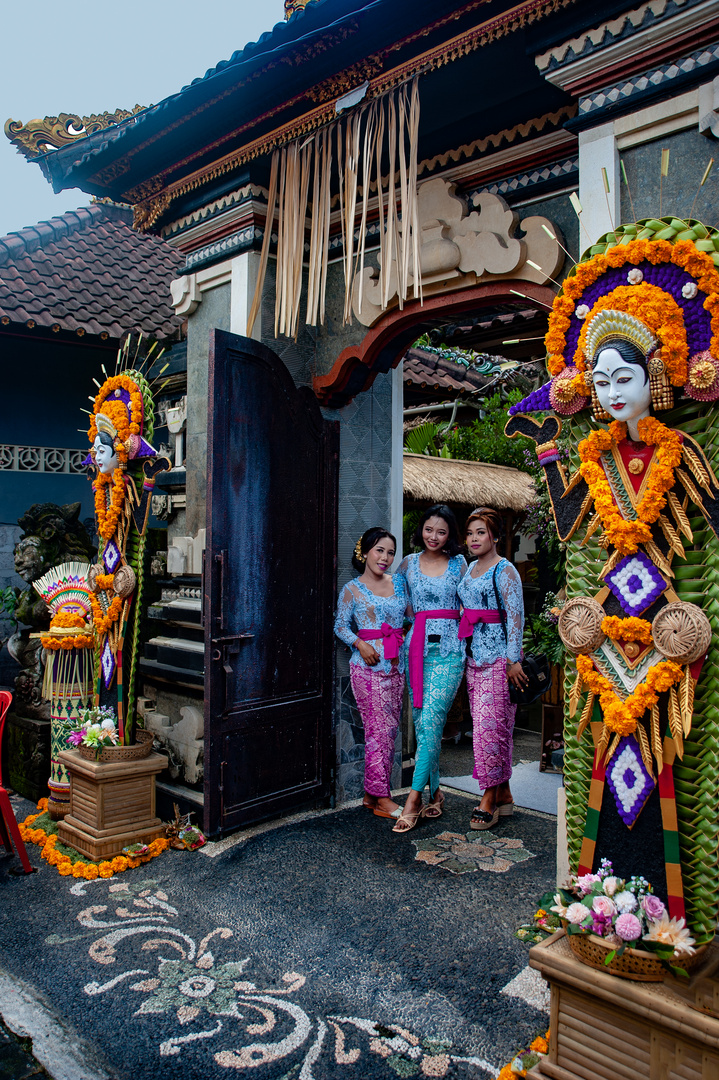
(8, 824)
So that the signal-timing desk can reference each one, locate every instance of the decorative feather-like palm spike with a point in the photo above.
(689, 487)
(680, 515)
(585, 508)
(592, 527)
(645, 750)
(657, 742)
(609, 752)
(672, 537)
(686, 690)
(658, 559)
(574, 479)
(575, 695)
(586, 715)
(603, 742)
(610, 563)
(697, 469)
(675, 722)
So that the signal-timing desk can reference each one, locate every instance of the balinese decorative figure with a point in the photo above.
(69, 647)
(635, 333)
(51, 535)
(126, 465)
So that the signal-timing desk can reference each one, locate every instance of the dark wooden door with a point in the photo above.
(272, 466)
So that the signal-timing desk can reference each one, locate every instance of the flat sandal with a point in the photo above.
(410, 820)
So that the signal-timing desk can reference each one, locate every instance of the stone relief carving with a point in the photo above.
(459, 249)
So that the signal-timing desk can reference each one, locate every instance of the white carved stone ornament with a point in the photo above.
(460, 249)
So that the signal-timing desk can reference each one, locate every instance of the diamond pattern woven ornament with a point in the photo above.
(107, 661)
(629, 781)
(111, 556)
(636, 583)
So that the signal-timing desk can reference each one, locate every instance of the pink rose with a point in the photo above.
(604, 906)
(653, 907)
(628, 927)
(586, 882)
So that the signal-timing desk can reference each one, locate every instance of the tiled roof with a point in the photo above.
(88, 271)
(423, 370)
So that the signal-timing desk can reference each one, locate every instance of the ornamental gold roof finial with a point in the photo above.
(291, 6)
(38, 136)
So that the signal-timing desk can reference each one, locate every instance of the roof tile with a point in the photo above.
(88, 269)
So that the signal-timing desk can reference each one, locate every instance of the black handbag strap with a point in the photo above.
(500, 606)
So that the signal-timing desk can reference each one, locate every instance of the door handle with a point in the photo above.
(225, 647)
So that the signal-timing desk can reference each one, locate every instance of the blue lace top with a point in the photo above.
(488, 643)
(435, 593)
(360, 609)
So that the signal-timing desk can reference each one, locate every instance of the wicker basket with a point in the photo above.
(580, 625)
(636, 964)
(110, 754)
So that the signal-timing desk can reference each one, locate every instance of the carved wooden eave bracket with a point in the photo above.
(460, 249)
(37, 137)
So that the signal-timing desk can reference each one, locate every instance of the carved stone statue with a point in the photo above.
(52, 535)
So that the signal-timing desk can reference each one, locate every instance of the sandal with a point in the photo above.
(433, 809)
(396, 814)
(409, 820)
(506, 809)
(482, 819)
(368, 805)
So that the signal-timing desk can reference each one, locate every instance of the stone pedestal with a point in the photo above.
(112, 804)
(604, 1026)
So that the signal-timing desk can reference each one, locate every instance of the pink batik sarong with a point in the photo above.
(379, 700)
(492, 722)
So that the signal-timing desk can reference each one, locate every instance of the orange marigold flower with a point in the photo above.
(91, 872)
(105, 870)
(65, 868)
(78, 870)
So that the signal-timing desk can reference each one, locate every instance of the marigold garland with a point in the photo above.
(74, 641)
(630, 629)
(67, 620)
(108, 517)
(104, 620)
(117, 410)
(683, 254)
(626, 536)
(80, 869)
(104, 582)
(620, 716)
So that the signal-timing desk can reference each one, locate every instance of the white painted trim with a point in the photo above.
(656, 121)
(396, 489)
(243, 280)
(600, 213)
(186, 291)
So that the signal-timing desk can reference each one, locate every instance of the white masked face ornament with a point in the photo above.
(105, 457)
(622, 388)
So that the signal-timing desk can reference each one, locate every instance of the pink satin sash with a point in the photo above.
(471, 616)
(416, 650)
(391, 635)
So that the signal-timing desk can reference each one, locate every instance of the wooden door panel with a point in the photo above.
(270, 560)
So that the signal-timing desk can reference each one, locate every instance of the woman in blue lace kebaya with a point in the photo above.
(435, 655)
(369, 619)
(494, 658)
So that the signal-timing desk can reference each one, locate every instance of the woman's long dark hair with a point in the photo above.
(440, 510)
(367, 542)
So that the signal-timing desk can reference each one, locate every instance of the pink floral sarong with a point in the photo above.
(492, 722)
(379, 700)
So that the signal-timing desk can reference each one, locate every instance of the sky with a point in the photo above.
(91, 57)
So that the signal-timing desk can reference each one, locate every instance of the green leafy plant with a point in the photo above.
(484, 439)
(541, 632)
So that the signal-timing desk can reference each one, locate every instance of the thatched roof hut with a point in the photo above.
(468, 483)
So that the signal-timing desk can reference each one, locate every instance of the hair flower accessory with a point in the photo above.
(703, 381)
(358, 551)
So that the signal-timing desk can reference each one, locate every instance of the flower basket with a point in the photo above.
(111, 754)
(636, 964)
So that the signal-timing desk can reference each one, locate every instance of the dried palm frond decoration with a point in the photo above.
(350, 152)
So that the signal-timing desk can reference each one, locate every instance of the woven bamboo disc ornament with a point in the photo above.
(580, 625)
(681, 632)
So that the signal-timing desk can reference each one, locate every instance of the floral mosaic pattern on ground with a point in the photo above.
(464, 853)
(203, 1002)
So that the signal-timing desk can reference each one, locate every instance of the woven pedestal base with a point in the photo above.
(112, 805)
(601, 1026)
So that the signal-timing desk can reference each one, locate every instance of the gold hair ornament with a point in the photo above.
(358, 551)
